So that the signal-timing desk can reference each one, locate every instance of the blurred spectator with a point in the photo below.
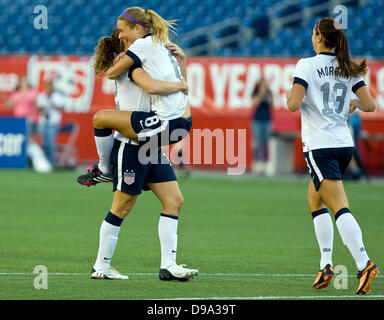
(262, 103)
(23, 103)
(50, 103)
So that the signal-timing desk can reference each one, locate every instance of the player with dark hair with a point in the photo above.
(130, 176)
(169, 119)
(322, 89)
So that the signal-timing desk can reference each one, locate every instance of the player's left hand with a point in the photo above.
(353, 105)
(176, 50)
(184, 88)
(289, 94)
(118, 57)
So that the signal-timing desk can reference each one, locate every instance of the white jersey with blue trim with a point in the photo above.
(160, 64)
(325, 107)
(130, 97)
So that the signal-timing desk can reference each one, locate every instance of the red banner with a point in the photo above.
(220, 92)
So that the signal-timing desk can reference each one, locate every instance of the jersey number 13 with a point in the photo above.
(340, 98)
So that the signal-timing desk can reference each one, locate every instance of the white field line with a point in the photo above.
(289, 275)
(154, 274)
(279, 275)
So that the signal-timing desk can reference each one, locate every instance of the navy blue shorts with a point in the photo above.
(329, 163)
(131, 176)
(148, 126)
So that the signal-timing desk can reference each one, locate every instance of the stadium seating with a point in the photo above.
(75, 26)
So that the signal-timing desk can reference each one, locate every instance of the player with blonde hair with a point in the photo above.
(130, 176)
(169, 119)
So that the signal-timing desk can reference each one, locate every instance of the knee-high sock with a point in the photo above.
(168, 239)
(324, 234)
(352, 237)
(108, 235)
(104, 144)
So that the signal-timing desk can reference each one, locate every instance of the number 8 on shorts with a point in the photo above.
(151, 121)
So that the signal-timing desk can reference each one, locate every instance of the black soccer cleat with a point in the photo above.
(178, 273)
(324, 277)
(93, 176)
(365, 278)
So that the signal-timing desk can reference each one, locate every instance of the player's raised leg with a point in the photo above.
(115, 119)
(103, 122)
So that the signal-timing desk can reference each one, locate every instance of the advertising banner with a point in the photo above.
(219, 94)
(13, 142)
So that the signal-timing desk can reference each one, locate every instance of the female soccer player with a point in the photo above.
(131, 176)
(322, 89)
(169, 119)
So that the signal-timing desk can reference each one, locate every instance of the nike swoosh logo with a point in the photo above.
(173, 251)
(107, 258)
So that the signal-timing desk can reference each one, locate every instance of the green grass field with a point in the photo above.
(250, 238)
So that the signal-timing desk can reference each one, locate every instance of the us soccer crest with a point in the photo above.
(129, 177)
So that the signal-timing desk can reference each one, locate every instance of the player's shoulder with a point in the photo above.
(307, 61)
(144, 41)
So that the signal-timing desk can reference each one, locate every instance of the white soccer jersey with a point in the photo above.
(160, 64)
(130, 97)
(325, 108)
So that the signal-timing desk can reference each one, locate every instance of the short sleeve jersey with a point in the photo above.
(160, 64)
(325, 107)
(129, 96)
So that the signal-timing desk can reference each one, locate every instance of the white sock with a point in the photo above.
(104, 144)
(168, 239)
(107, 242)
(352, 237)
(324, 233)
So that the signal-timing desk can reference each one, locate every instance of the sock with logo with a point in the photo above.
(352, 237)
(324, 233)
(109, 232)
(104, 144)
(168, 239)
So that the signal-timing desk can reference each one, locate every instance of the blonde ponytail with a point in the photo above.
(160, 26)
(150, 21)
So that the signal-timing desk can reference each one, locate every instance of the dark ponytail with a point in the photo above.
(334, 37)
(106, 50)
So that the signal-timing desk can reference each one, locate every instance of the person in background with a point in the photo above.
(50, 103)
(23, 103)
(355, 169)
(262, 102)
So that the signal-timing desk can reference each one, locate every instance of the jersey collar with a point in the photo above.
(147, 35)
(327, 53)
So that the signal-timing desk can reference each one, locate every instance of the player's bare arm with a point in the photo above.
(152, 86)
(295, 97)
(122, 65)
(367, 103)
